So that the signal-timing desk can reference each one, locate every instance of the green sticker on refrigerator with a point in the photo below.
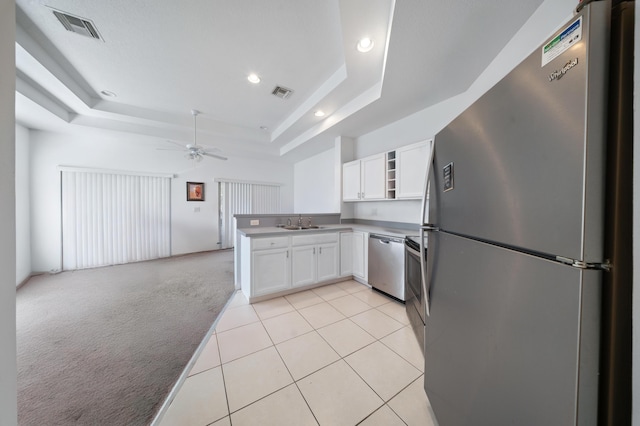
(562, 42)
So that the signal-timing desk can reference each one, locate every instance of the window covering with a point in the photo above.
(244, 198)
(114, 218)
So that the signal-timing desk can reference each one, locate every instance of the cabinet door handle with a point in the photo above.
(320, 250)
(314, 250)
(287, 254)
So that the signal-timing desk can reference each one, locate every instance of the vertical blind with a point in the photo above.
(244, 198)
(110, 218)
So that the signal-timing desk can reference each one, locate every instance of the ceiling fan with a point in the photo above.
(193, 151)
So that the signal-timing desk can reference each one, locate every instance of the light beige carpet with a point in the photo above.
(105, 346)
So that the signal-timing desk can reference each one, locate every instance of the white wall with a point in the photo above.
(426, 123)
(23, 206)
(313, 183)
(8, 369)
(192, 231)
(404, 211)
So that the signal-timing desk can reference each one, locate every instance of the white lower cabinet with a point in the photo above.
(271, 265)
(315, 258)
(270, 271)
(328, 261)
(360, 254)
(346, 253)
(353, 254)
(303, 265)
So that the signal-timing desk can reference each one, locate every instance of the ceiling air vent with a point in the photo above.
(282, 92)
(77, 25)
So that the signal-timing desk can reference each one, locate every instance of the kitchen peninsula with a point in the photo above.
(272, 260)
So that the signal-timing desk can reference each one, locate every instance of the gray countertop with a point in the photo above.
(271, 231)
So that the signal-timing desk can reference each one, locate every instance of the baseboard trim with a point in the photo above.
(26, 280)
(264, 297)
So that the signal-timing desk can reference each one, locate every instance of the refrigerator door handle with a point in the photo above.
(425, 194)
(426, 227)
(423, 272)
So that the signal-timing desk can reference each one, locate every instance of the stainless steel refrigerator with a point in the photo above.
(528, 224)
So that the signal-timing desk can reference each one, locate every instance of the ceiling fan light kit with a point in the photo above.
(194, 151)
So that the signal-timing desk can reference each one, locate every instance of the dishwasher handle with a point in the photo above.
(385, 239)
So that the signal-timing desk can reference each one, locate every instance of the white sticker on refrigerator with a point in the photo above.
(563, 41)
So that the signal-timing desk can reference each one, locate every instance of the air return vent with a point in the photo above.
(282, 92)
(77, 25)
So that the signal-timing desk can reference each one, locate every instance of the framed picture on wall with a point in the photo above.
(195, 191)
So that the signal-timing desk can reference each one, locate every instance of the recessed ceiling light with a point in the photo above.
(253, 78)
(319, 113)
(109, 93)
(364, 45)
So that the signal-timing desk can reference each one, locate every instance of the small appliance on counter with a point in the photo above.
(386, 265)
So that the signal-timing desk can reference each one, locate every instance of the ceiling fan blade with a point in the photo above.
(219, 157)
(193, 151)
(176, 143)
(211, 149)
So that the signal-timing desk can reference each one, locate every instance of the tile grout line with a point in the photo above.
(276, 349)
(313, 329)
(342, 358)
(224, 384)
(295, 382)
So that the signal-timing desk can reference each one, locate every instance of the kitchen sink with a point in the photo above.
(299, 228)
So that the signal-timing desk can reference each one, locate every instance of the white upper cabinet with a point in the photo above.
(393, 175)
(411, 164)
(373, 177)
(364, 179)
(351, 181)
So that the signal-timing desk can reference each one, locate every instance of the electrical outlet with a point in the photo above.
(255, 222)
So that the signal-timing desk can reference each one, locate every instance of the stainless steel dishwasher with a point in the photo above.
(386, 265)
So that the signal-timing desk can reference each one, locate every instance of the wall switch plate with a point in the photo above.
(196, 209)
(255, 222)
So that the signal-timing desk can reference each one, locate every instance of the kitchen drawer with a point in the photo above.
(269, 243)
(305, 240)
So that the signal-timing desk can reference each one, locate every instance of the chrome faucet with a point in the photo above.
(289, 222)
(309, 225)
(300, 221)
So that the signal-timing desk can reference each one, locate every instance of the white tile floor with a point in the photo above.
(341, 354)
